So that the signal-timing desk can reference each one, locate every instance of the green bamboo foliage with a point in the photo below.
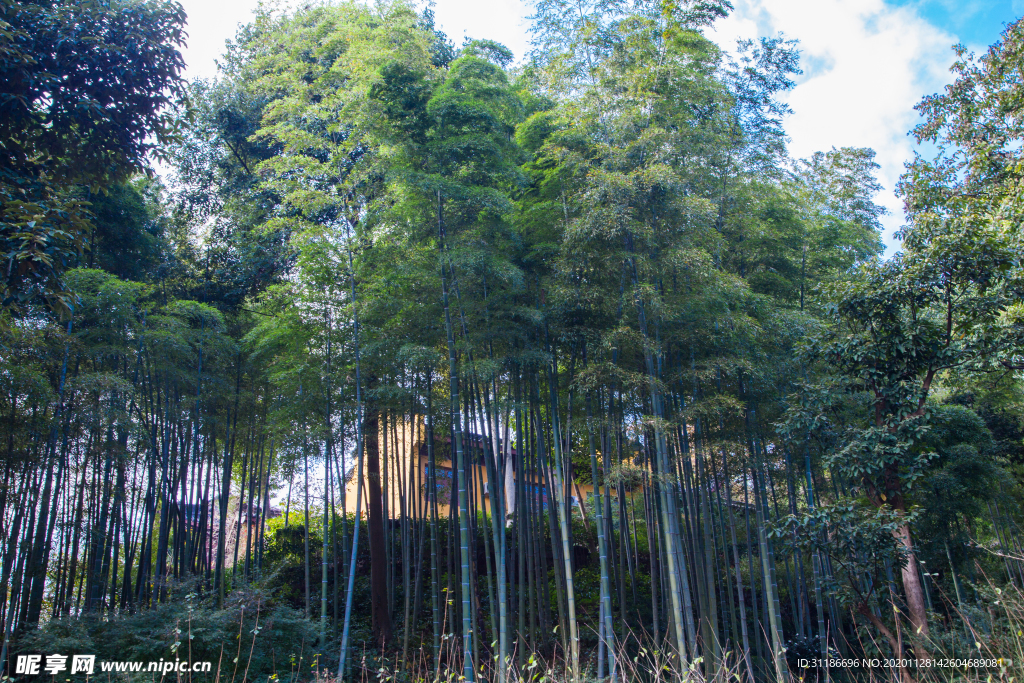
(581, 308)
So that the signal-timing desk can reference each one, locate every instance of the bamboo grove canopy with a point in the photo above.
(429, 362)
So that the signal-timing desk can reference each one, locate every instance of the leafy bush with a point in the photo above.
(254, 633)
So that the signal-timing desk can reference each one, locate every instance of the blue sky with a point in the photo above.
(975, 22)
(866, 62)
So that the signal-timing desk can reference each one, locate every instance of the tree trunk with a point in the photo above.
(378, 552)
(915, 593)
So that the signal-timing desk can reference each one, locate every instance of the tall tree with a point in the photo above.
(85, 93)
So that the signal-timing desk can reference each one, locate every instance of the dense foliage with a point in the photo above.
(721, 435)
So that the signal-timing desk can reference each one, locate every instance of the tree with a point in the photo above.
(947, 302)
(596, 270)
(129, 229)
(840, 221)
(86, 94)
(964, 204)
(961, 482)
(860, 543)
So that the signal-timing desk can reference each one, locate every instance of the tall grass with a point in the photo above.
(256, 640)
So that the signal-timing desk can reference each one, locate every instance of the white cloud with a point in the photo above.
(866, 64)
(210, 24)
(500, 20)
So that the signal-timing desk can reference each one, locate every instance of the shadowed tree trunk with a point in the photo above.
(914, 591)
(378, 552)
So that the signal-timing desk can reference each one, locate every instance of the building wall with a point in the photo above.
(404, 459)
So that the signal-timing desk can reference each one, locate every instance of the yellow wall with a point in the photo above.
(405, 445)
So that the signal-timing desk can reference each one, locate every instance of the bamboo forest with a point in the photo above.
(378, 357)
